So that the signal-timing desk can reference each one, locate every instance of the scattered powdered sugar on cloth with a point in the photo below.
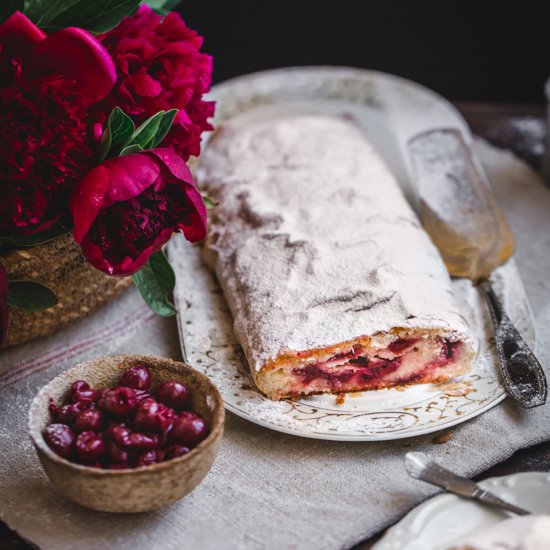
(267, 489)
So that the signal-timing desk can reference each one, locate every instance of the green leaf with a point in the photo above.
(35, 8)
(156, 281)
(122, 127)
(149, 134)
(9, 7)
(30, 296)
(160, 11)
(52, 9)
(209, 202)
(164, 126)
(162, 5)
(96, 16)
(131, 150)
(26, 241)
(170, 4)
(155, 4)
(118, 130)
(144, 134)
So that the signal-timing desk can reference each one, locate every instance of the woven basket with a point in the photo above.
(61, 266)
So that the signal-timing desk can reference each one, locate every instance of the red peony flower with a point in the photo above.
(4, 286)
(127, 208)
(159, 67)
(47, 84)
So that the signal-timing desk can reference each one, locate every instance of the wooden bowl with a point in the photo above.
(138, 489)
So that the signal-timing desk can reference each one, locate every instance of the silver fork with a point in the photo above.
(420, 466)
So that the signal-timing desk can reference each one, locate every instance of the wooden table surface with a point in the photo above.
(520, 128)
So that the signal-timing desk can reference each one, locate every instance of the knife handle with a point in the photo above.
(521, 371)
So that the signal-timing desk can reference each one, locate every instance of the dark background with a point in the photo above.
(467, 51)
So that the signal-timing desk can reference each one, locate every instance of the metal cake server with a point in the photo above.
(420, 466)
(459, 212)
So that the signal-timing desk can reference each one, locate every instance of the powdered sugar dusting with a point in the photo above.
(445, 176)
(313, 241)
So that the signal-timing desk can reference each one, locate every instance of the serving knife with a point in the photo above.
(459, 212)
(420, 466)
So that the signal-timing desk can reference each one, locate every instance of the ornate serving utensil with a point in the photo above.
(459, 212)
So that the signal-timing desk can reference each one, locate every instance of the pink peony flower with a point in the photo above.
(127, 208)
(47, 84)
(159, 67)
(4, 286)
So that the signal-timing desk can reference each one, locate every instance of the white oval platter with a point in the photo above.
(389, 110)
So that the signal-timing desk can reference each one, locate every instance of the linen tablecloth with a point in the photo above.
(266, 489)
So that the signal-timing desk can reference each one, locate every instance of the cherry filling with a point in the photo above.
(401, 344)
(361, 371)
(354, 369)
(449, 349)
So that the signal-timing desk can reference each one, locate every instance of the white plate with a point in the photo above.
(389, 110)
(433, 525)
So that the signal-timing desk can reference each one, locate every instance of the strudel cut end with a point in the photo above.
(383, 361)
(333, 284)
